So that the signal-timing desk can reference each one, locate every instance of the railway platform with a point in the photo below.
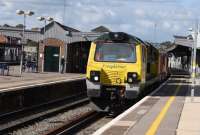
(29, 80)
(34, 89)
(168, 110)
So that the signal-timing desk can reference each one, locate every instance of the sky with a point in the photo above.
(150, 20)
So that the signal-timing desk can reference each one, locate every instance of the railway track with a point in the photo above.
(55, 118)
(86, 123)
(72, 127)
(67, 122)
(12, 121)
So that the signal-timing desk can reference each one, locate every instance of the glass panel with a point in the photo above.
(115, 52)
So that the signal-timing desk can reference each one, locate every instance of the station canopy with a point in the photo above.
(182, 46)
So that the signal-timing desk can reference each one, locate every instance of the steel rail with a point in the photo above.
(16, 119)
(75, 125)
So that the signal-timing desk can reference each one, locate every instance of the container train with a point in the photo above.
(120, 67)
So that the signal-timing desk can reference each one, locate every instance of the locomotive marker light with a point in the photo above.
(25, 14)
(134, 75)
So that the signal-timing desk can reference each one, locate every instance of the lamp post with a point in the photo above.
(45, 19)
(155, 34)
(195, 34)
(25, 14)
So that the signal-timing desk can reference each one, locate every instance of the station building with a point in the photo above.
(14, 44)
(63, 42)
(181, 53)
(57, 42)
(9, 49)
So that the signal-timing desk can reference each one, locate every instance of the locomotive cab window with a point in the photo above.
(115, 52)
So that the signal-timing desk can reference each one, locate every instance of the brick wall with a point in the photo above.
(3, 39)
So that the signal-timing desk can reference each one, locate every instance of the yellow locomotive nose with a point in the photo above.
(113, 74)
(112, 77)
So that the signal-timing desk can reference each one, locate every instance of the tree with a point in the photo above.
(6, 25)
(166, 43)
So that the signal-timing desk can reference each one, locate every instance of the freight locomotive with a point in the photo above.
(120, 66)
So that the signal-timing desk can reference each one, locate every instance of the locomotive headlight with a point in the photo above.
(130, 80)
(95, 76)
(131, 77)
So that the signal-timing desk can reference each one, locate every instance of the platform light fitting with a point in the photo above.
(19, 12)
(22, 12)
(49, 18)
(40, 18)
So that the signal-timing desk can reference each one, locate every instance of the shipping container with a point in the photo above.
(77, 56)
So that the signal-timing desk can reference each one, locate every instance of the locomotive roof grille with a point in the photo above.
(118, 37)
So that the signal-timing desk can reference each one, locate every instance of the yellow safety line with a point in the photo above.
(152, 130)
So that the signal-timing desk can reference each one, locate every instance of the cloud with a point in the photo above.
(175, 28)
(132, 16)
(6, 5)
(125, 27)
(109, 12)
(58, 17)
(166, 25)
(139, 12)
(145, 23)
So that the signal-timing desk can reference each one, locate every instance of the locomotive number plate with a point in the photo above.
(111, 89)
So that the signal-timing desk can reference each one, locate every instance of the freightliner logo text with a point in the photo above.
(114, 66)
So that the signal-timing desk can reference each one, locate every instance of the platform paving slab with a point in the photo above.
(190, 118)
